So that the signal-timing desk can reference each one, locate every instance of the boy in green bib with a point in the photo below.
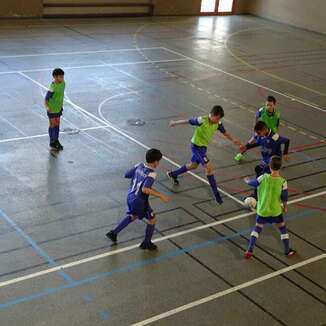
(205, 129)
(270, 115)
(54, 104)
(272, 202)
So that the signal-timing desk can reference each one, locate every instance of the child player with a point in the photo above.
(268, 114)
(271, 144)
(205, 128)
(142, 179)
(272, 192)
(54, 105)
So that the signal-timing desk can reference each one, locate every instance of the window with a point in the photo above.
(225, 5)
(208, 6)
(216, 7)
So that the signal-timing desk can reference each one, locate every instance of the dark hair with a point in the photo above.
(271, 99)
(276, 163)
(153, 155)
(217, 110)
(58, 72)
(260, 125)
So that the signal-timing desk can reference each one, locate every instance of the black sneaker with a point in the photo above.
(219, 199)
(290, 253)
(174, 180)
(148, 246)
(112, 236)
(54, 147)
(60, 147)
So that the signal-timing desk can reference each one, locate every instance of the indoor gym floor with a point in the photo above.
(126, 78)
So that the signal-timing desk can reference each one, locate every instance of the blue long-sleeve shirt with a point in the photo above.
(271, 145)
(141, 177)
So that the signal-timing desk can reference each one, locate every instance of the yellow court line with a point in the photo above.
(246, 63)
(135, 41)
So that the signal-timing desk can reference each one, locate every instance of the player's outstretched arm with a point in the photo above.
(155, 193)
(250, 146)
(174, 123)
(235, 141)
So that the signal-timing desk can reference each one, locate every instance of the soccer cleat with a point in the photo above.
(174, 180)
(54, 147)
(148, 246)
(238, 157)
(219, 200)
(60, 147)
(112, 236)
(290, 253)
(248, 254)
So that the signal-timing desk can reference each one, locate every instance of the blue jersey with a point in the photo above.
(141, 177)
(271, 145)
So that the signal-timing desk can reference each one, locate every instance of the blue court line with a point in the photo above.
(137, 265)
(34, 245)
(104, 315)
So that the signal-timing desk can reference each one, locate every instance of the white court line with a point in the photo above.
(229, 291)
(9, 140)
(125, 135)
(51, 270)
(300, 100)
(129, 248)
(9, 72)
(74, 52)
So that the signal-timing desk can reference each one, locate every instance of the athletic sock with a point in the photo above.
(124, 223)
(183, 169)
(253, 237)
(285, 238)
(149, 232)
(212, 183)
(51, 135)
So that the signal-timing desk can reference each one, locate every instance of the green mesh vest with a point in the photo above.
(55, 103)
(270, 120)
(204, 133)
(269, 195)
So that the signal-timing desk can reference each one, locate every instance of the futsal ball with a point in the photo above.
(250, 202)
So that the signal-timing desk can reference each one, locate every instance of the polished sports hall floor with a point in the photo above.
(126, 78)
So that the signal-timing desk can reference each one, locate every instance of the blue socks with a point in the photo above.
(51, 135)
(212, 182)
(253, 237)
(124, 223)
(54, 134)
(149, 233)
(127, 220)
(181, 170)
(285, 238)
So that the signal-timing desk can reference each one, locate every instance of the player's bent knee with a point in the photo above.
(209, 170)
(152, 221)
(192, 166)
(133, 217)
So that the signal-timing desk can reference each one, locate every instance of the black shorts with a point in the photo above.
(54, 115)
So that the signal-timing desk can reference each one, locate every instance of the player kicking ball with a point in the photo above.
(205, 129)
